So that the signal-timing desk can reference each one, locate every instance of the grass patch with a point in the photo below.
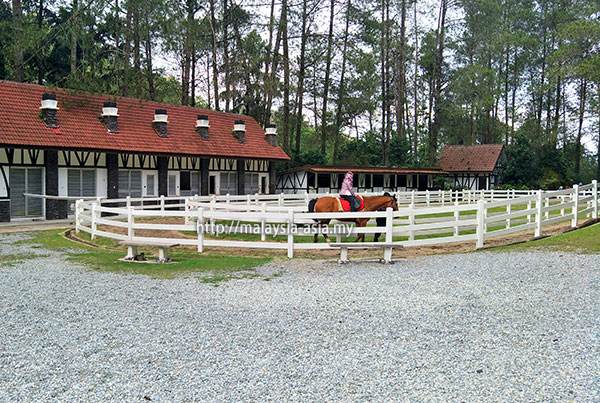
(584, 240)
(189, 264)
(12, 259)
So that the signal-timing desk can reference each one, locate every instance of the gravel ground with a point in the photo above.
(473, 327)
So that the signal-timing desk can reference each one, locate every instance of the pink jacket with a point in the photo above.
(347, 189)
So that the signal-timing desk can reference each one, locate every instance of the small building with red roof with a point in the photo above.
(61, 142)
(477, 167)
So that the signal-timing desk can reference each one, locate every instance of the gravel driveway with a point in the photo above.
(473, 327)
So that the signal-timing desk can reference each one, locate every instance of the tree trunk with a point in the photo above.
(74, 28)
(266, 80)
(215, 67)
(226, 55)
(127, 50)
(193, 77)
(149, 70)
(208, 97)
(341, 87)
(582, 103)
(383, 85)
(416, 90)
(187, 55)
(271, 86)
(327, 79)
(437, 81)
(40, 60)
(286, 77)
(118, 55)
(301, 74)
(137, 65)
(399, 78)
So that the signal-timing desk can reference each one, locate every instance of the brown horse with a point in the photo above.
(331, 204)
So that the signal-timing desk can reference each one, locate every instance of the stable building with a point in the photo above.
(477, 167)
(64, 143)
(328, 179)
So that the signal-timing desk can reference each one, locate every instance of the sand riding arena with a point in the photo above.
(430, 218)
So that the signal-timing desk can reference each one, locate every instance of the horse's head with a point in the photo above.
(393, 201)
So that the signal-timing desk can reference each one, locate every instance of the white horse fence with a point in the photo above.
(281, 221)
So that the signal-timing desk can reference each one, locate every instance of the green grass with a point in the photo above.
(12, 259)
(585, 240)
(214, 267)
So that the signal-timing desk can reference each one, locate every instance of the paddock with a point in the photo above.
(282, 221)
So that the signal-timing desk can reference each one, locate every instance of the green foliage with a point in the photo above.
(519, 169)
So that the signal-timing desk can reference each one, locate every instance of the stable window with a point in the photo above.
(81, 182)
(228, 183)
(377, 181)
(323, 180)
(402, 181)
(251, 183)
(130, 183)
(184, 181)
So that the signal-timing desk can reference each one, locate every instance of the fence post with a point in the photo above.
(538, 216)
(442, 195)
(480, 223)
(562, 201)
(280, 200)
(412, 197)
(492, 194)
(263, 236)
(547, 204)
(200, 229)
(290, 250)
(427, 197)
(389, 234)
(213, 202)
(508, 211)
(575, 210)
(77, 215)
(93, 214)
(529, 205)
(456, 218)
(186, 209)
(130, 223)
(128, 202)
(162, 202)
(411, 222)
(595, 198)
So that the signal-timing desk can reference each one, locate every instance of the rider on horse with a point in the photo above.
(347, 192)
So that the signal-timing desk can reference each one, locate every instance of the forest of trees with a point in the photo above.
(369, 82)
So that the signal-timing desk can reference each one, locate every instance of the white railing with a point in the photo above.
(438, 218)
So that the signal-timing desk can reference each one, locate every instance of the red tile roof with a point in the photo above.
(81, 128)
(478, 158)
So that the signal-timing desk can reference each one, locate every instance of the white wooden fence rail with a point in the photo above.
(423, 218)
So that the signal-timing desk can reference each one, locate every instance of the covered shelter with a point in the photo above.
(328, 179)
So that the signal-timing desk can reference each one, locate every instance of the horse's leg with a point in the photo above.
(326, 223)
(362, 236)
(359, 223)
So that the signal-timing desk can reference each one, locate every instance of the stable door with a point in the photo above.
(26, 180)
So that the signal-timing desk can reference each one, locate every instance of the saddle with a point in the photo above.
(344, 205)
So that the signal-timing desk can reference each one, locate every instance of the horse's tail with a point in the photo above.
(311, 207)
